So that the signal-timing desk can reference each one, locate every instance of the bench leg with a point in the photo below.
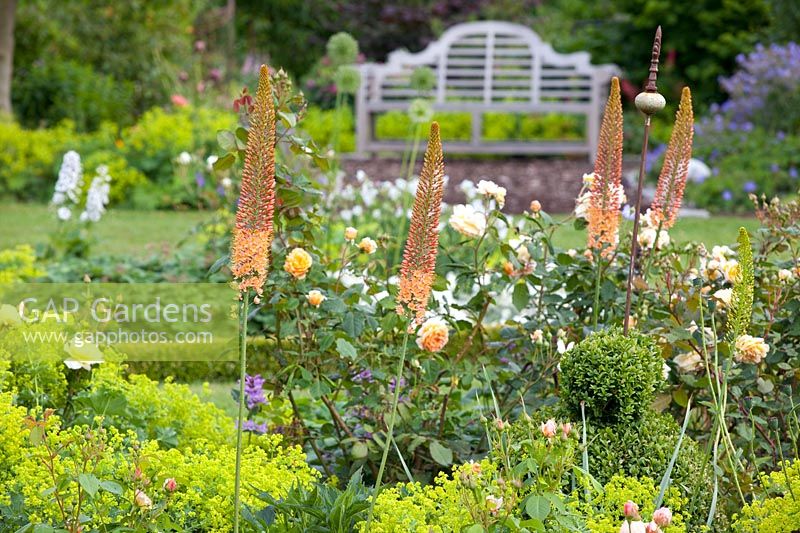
(363, 123)
(477, 128)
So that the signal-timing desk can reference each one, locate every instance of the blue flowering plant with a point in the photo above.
(749, 142)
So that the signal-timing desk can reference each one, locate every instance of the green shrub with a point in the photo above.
(50, 92)
(615, 375)
(152, 144)
(29, 159)
(775, 508)
(521, 127)
(19, 264)
(396, 125)
(319, 124)
(124, 178)
(742, 163)
(168, 412)
(643, 449)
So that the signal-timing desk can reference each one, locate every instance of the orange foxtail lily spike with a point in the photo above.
(672, 180)
(606, 197)
(253, 233)
(419, 257)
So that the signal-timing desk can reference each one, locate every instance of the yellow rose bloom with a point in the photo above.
(298, 263)
(350, 233)
(731, 270)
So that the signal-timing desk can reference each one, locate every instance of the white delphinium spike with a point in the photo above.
(69, 184)
(97, 196)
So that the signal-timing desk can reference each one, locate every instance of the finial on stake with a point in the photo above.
(651, 78)
(648, 102)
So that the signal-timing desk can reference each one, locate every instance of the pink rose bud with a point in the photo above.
(142, 500)
(170, 485)
(662, 517)
(652, 527)
(630, 509)
(566, 428)
(549, 428)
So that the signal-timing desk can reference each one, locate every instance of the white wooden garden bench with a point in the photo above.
(488, 66)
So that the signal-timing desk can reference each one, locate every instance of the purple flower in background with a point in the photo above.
(364, 375)
(391, 383)
(254, 391)
(654, 155)
(727, 195)
(780, 135)
(715, 171)
(628, 212)
(749, 186)
(251, 425)
(220, 190)
(774, 167)
(760, 75)
(793, 173)
(200, 180)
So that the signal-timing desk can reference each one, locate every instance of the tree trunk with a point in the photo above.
(7, 11)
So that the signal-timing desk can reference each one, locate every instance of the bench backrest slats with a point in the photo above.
(485, 66)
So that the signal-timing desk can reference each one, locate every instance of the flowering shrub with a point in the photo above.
(111, 479)
(19, 264)
(605, 512)
(775, 507)
(749, 142)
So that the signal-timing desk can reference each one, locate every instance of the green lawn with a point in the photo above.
(140, 232)
(709, 231)
(120, 231)
(218, 393)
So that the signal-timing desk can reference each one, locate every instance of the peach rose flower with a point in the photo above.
(368, 245)
(315, 297)
(433, 335)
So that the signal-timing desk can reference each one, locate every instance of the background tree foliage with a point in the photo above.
(138, 44)
(86, 46)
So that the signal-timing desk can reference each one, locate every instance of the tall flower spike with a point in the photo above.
(607, 193)
(672, 180)
(419, 257)
(252, 235)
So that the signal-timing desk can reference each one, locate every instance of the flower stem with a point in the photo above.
(596, 306)
(635, 235)
(240, 418)
(390, 429)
